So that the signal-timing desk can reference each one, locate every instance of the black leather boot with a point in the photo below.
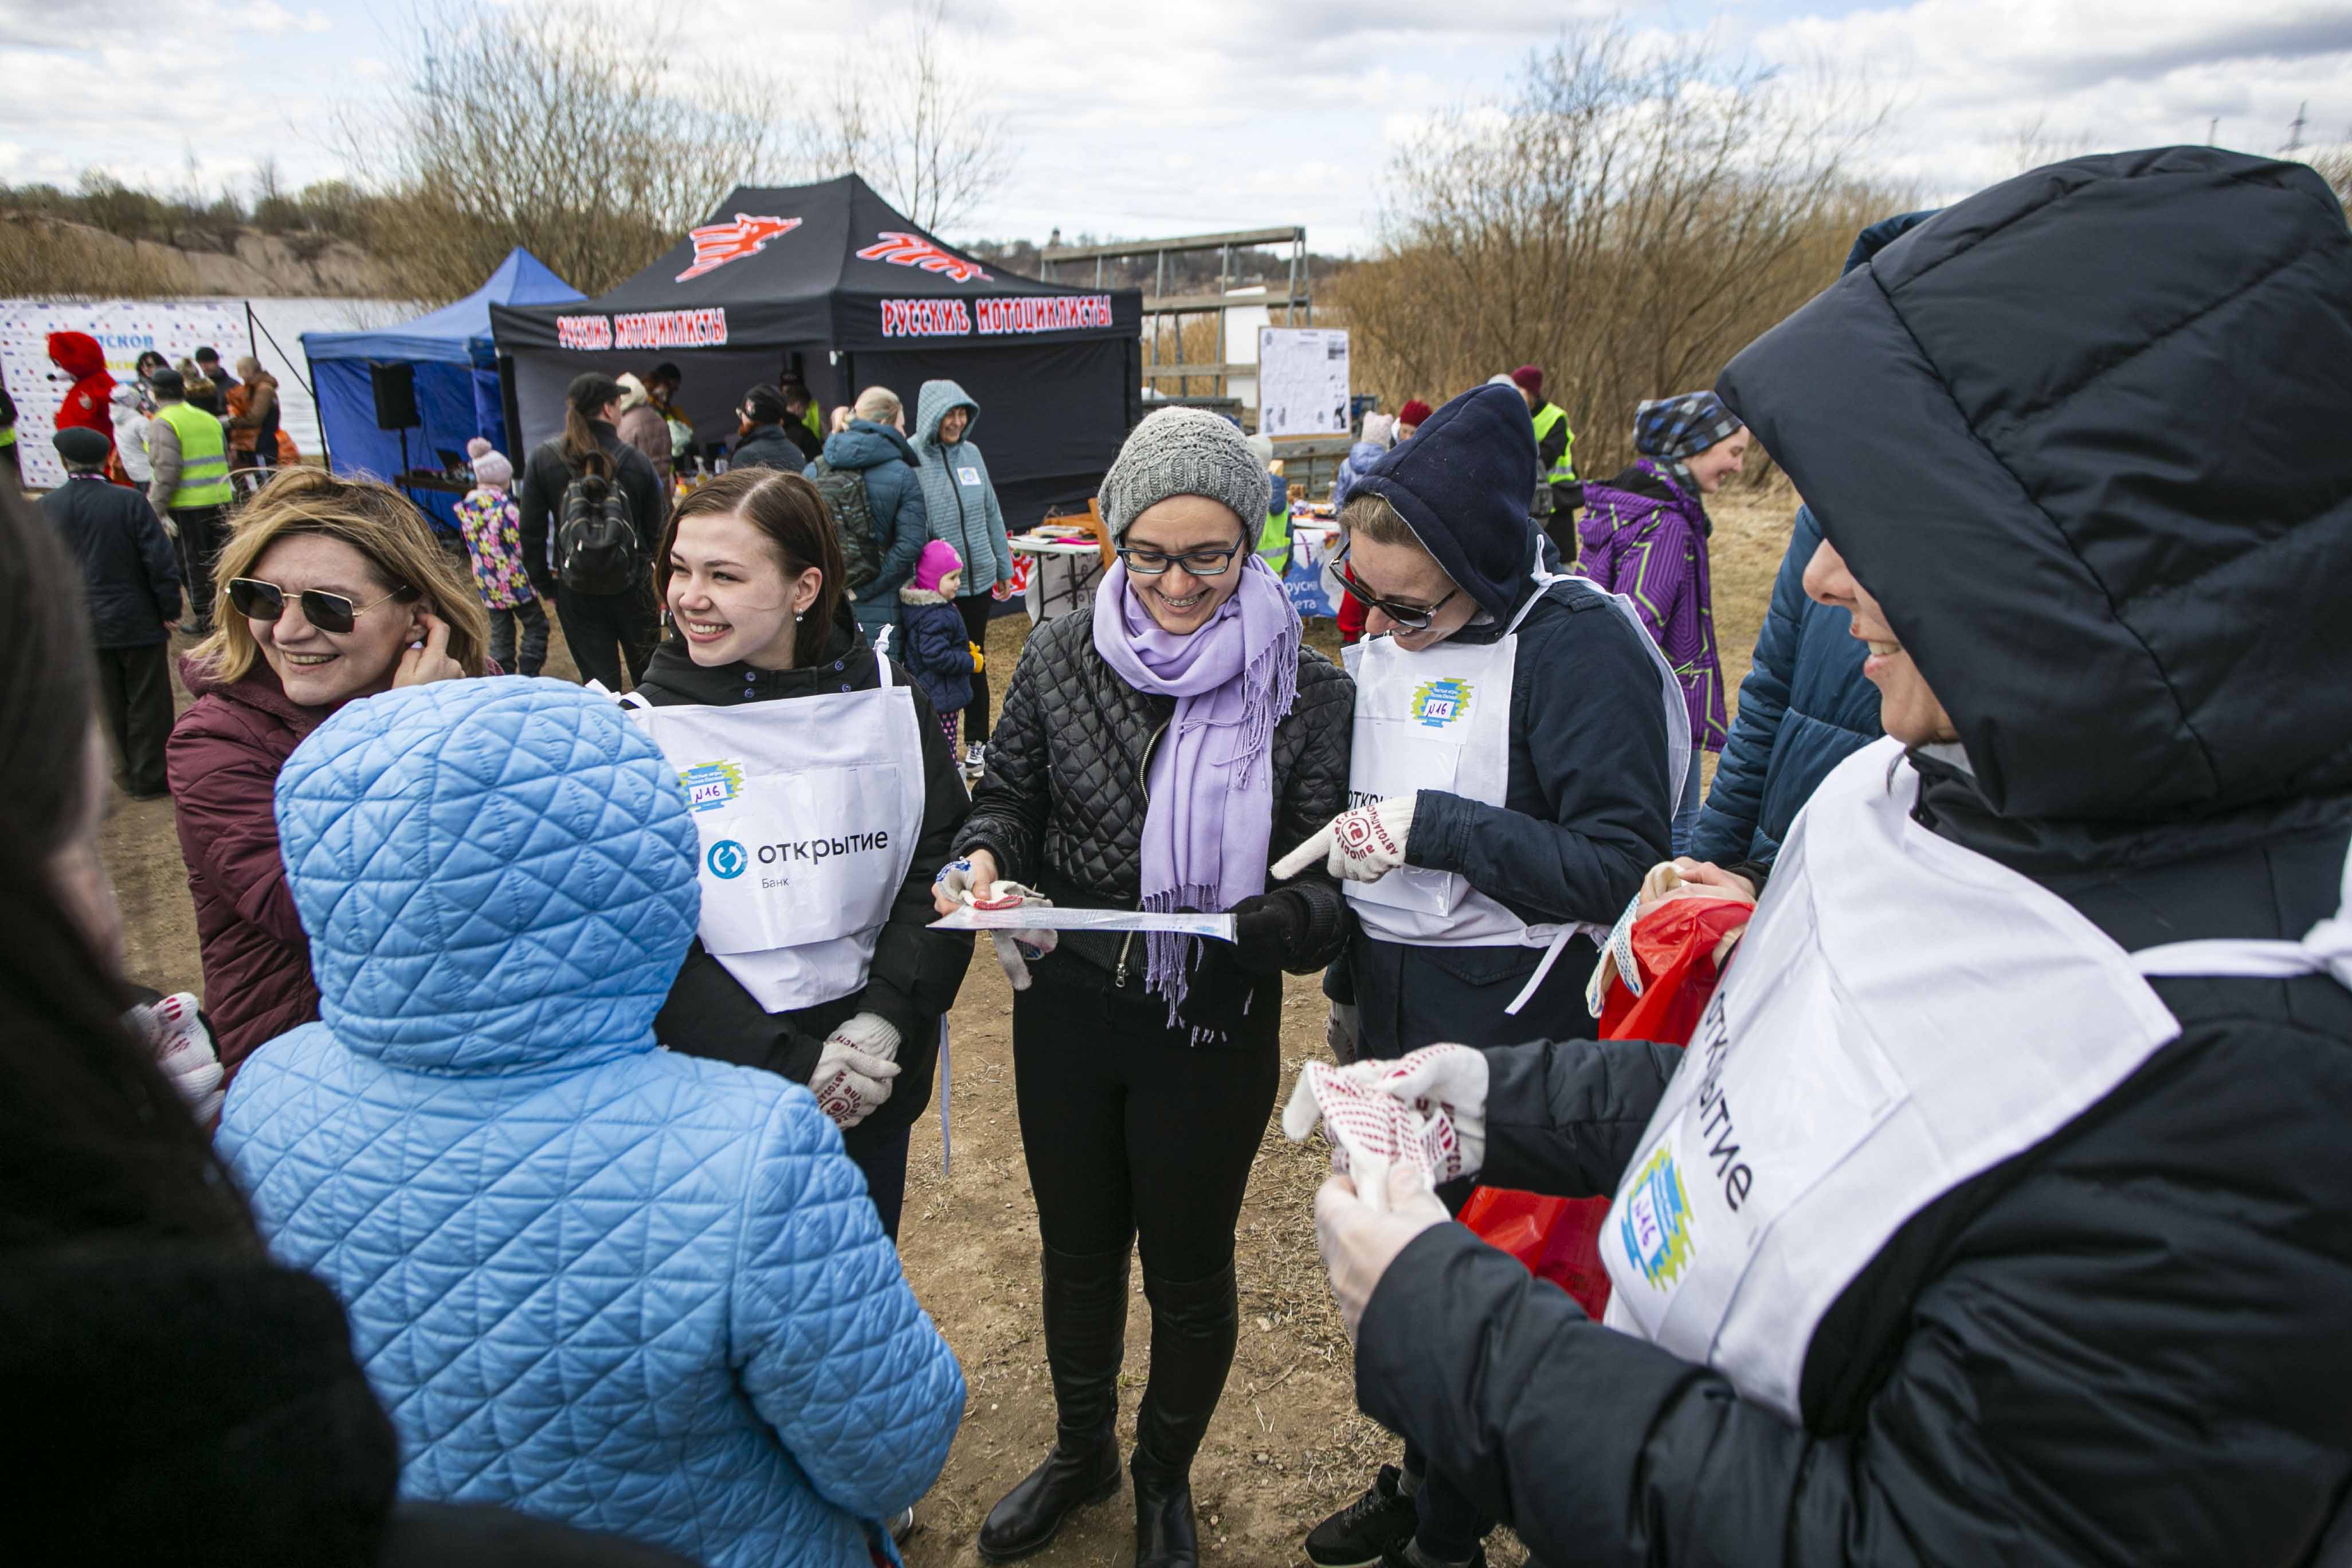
(1193, 1325)
(1086, 1337)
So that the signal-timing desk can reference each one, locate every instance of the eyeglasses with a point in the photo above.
(259, 601)
(1196, 563)
(1411, 617)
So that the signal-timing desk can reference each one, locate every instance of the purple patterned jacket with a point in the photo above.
(1645, 537)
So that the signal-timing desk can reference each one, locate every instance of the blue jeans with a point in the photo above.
(1686, 814)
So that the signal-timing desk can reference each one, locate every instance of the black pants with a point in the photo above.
(604, 629)
(1130, 1130)
(975, 608)
(532, 614)
(884, 1161)
(203, 531)
(134, 686)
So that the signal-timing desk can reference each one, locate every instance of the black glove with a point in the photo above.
(1266, 929)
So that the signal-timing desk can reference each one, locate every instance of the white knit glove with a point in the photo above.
(184, 1049)
(1016, 950)
(1426, 1111)
(1362, 845)
(855, 1070)
(955, 880)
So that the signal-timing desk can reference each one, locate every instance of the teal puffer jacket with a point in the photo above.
(592, 1280)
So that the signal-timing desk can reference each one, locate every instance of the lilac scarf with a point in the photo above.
(1211, 815)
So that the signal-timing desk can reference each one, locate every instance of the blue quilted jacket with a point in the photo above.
(591, 1280)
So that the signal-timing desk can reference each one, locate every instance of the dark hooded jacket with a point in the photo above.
(915, 973)
(1804, 707)
(2081, 435)
(1584, 810)
(894, 490)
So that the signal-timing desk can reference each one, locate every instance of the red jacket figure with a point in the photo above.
(80, 356)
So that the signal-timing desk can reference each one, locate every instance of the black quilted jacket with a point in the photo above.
(1062, 806)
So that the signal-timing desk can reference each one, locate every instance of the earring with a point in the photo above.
(798, 616)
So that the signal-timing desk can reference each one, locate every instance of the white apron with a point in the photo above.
(1441, 719)
(1903, 1016)
(808, 810)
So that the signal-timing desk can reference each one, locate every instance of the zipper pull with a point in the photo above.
(1120, 979)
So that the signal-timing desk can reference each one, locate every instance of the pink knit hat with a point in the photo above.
(939, 558)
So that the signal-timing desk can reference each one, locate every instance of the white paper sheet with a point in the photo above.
(1055, 918)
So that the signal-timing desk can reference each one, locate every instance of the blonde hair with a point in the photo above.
(1372, 517)
(373, 519)
(880, 405)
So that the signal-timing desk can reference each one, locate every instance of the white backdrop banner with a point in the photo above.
(125, 328)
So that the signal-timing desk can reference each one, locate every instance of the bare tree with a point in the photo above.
(906, 115)
(553, 127)
(1631, 218)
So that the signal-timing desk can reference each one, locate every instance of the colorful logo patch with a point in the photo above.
(1438, 703)
(727, 860)
(709, 785)
(1654, 1220)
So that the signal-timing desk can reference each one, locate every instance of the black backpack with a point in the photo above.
(852, 510)
(597, 547)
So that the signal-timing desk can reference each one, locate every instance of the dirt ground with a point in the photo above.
(1287, 1446)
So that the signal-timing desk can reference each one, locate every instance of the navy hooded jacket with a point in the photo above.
(1584, 811)
(1804, 707)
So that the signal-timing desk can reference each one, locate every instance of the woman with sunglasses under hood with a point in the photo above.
(1157, 754)
(1997, 1211)
(330, 590)
(1518, 742)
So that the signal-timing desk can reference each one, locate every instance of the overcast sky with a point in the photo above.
(1134, 119)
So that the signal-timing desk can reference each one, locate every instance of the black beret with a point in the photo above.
(80, 444)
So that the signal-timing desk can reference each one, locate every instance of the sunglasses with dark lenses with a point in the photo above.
(259, 601)
(1411, 617)
(1196, 563)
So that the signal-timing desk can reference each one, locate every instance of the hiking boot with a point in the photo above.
(1367, 1531)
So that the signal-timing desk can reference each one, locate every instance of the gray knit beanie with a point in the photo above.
(1184, 452)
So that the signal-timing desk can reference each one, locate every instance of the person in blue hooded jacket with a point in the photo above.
(965, 511)
(1513, 773)
(874, 446)
(592, 1280)
(1804, 707)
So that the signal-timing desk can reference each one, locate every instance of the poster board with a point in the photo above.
(126, 328)
(1302, 387)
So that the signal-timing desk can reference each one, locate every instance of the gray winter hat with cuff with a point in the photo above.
(1184, 452)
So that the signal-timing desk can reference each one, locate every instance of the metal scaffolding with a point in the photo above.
(1298, 302)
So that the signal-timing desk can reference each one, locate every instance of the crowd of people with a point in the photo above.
(571, 1038)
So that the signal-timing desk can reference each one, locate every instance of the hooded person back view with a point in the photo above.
(2076, 446)
(592, 1280)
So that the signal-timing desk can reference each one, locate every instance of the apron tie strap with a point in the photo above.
(2326, 949)
(1535, 982)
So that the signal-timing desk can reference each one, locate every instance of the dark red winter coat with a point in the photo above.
(80, 356)
(222, 762)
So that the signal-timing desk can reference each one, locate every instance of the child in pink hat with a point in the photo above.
(933, 645)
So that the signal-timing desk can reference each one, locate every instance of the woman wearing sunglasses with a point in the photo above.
(330, 590)
(1157, 754)
(1518, 741)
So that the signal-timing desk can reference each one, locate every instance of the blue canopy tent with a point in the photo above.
(458, 394)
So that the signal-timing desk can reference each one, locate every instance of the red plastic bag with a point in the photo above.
(1677, 946)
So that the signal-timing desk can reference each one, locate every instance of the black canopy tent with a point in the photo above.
(830, 280)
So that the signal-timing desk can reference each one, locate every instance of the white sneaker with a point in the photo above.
(974, 758)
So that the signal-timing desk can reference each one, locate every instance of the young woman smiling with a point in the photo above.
(330, 590)
(1157, 754)
(821, 810)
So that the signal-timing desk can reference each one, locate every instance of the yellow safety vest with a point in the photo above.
(1563, 472)
(8, 434)
(203, 456)
(1274, 542)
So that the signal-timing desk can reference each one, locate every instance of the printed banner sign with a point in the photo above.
(1018, 314)
(702, 329)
